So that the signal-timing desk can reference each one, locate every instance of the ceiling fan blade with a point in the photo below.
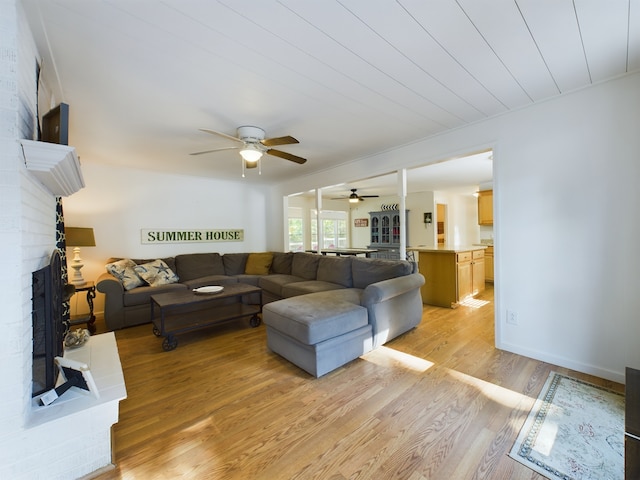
(272, 142)
(213, 132)
(214, 150)
(286, 156)
(368, 196)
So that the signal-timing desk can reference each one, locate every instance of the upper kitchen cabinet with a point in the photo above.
(485, 207)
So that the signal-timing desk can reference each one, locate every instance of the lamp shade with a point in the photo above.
(79, 237)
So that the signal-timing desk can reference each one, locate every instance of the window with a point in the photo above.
(334, 230)
(296, 230)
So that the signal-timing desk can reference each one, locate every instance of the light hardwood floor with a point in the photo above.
(439, 402)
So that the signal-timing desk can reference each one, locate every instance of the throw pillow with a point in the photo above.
(123, 271)
(258, 263)
(156, 273)
(282, 262)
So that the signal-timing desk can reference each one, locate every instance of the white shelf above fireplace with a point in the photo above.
(56, 166)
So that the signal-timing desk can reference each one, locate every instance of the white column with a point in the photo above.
(319, 219)
(402, 194)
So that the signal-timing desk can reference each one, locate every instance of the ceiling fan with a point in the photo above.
(253, 145)
(355, 198)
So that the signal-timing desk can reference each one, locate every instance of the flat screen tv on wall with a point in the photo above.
(55, 125)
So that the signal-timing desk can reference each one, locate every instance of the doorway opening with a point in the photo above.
(441, 223)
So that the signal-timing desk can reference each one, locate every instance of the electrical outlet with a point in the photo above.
(512, 317)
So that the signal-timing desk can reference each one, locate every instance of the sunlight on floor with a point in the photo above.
(385, 356)
(203, 425)
(547, 438)
(474, 302)
(498, 394)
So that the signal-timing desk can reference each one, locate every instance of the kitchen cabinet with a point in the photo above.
(385, 233)
(485, 207)
(451, 274)
(488, 264)
(470, 273)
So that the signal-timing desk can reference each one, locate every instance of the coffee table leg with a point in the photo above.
(169, 343)
(255, 321)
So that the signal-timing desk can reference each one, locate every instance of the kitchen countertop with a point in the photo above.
(448, 248)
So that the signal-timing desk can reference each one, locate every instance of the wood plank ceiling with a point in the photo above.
(348, 78)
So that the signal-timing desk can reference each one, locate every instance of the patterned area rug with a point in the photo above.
(575, 431)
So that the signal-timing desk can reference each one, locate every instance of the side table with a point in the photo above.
(90, 318)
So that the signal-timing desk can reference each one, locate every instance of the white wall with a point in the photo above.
(566, 221)
(118, 203)
(27, 235)
(462, 227)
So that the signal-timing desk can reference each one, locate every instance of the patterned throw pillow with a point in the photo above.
(156, 273)
(123, 271)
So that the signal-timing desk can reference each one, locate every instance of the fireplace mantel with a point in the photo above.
(100, 353)
(56, 166)
(80, 419)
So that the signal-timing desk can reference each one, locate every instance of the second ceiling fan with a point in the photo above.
(355, 198)
(253, 144)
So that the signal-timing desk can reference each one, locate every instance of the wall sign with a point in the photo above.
(361, 222)
(149, 235)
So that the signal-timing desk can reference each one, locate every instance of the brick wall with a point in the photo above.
(76, 445)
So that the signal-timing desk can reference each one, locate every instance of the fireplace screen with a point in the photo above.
(49, 294)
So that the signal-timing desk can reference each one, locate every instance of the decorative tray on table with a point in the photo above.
(211, 289)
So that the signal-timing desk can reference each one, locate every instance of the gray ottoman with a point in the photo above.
(318, 332)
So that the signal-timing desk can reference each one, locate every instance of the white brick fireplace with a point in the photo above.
(33, 445)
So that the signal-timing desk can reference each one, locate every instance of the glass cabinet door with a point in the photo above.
(395, 231)
(375, 230)
(386, 229)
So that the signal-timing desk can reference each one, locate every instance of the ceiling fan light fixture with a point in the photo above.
(353, 198)
(251, 153)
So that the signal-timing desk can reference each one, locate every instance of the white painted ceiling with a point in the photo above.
(347, 78)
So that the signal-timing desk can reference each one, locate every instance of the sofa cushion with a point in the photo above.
(274, 283)
(258, 263)
(335, 270)
(305, 265)
(142, 295)
(308, 286)
(196, 265)
(123, 271)
(234, 263)
(210, 280)
(282, 262)
(371, 270)
(156, 273)
(315, 317)
(248, 279)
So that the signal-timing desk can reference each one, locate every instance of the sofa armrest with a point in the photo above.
(107, 283)
(113, 300)
(387, 289)
(394, 306)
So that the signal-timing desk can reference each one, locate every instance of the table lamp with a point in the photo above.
(78, 237)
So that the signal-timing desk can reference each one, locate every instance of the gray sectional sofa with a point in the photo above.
(320, 311)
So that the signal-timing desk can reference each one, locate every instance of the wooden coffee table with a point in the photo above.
(186, 310)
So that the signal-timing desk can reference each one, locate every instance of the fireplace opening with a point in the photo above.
(49, 293)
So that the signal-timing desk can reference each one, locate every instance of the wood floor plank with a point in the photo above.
(439, 402)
